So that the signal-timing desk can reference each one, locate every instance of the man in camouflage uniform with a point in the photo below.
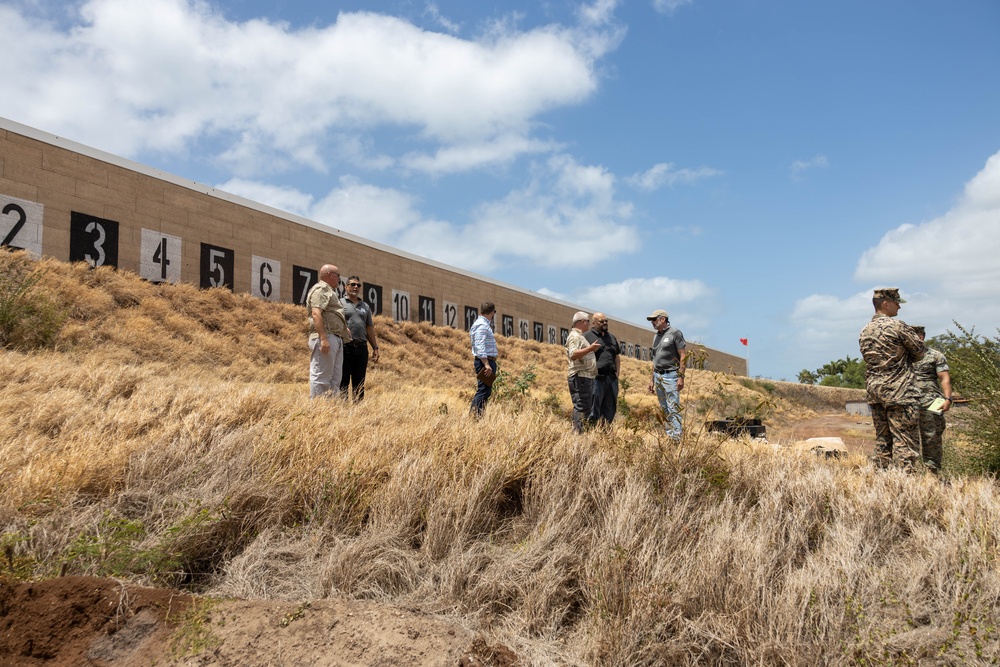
(890, 348)
(933, 381)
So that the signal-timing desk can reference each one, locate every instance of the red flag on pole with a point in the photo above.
(745, 341)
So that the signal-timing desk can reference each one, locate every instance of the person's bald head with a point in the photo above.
(330, 274)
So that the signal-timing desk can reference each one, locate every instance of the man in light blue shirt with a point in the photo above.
(484, 350)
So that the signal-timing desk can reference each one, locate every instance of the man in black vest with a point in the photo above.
(605, 404)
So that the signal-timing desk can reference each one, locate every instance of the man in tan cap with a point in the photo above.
(890, 347)
(669, 358)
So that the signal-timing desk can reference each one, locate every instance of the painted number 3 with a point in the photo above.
(98, 244)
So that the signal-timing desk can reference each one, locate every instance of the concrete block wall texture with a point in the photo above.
(74, 203)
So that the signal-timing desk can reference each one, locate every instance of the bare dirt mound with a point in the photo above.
(87, 621)
(857, 432)
(73, 621)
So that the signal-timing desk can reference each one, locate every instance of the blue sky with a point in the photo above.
(756, 168)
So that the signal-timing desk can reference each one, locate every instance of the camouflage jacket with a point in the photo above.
(890, 348)
(927, 369)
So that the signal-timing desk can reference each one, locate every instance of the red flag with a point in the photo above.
(745, 341)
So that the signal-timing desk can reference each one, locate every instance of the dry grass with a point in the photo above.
(168, 438)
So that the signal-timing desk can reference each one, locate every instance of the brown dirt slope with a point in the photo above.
(87, 621)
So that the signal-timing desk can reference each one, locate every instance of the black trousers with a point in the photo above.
(355, 369)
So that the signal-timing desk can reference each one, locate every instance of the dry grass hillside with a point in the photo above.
(166, 438)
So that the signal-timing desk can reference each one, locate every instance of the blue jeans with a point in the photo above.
(670, 402)
(483, 391)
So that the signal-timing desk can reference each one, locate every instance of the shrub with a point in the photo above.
(29, 317)
(975, 368)
(508, 387)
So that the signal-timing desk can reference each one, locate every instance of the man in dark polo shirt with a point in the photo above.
(359, 321)
(605, 404)
(669, 363)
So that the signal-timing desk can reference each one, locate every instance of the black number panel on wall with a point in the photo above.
(450, 312)
(426, 308)
(508, 325)
(373, 297)
(302, 280)
(93, 240)
(471, 315)
(217, 266)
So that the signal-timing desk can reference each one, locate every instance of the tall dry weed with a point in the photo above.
(170, 439)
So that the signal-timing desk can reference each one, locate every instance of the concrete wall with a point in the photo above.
(71, 202)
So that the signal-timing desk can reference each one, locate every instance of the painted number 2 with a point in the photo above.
(22, 217)
(21, 224)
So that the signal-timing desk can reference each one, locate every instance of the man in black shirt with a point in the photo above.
(359, 321)
(605, 403)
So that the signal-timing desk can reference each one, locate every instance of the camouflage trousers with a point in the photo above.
(897, 435)
(931, 434)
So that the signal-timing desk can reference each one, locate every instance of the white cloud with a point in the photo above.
(282, 198)
(166, 74)
(566, 215)
(955, 254)
(669, 6)
(664, 174)
(689, 302)
(598, 13)
(947, 270)
(823, 322)
(552, 293)
(375, 213)
(460, 158)
(816, 162)
(439, 18)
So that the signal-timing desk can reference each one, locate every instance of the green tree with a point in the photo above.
(974, 363)
(847, 372)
